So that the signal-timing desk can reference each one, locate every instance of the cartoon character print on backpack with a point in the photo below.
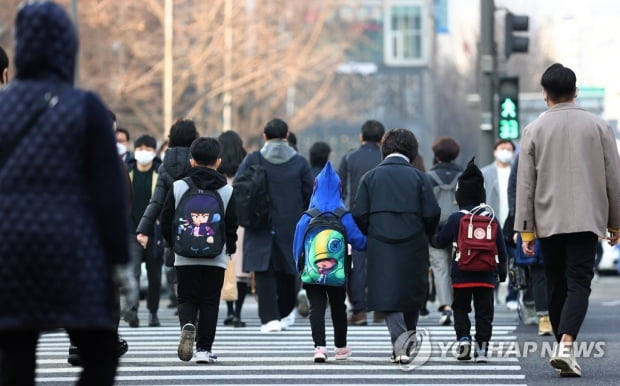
(325, 250)
(199, 230)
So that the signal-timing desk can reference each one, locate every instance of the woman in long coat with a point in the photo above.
(396, 208)
(63, 204)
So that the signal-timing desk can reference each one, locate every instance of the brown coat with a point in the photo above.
(569, 174)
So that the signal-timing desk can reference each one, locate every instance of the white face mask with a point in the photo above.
(504, 156)
(122, 149)
(144, 157)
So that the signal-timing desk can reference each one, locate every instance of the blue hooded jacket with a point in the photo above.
(327, 196)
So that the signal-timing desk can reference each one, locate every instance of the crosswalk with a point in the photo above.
(246, 356)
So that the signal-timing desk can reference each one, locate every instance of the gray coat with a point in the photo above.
(395, 206)
(569, 174)
(290, 187)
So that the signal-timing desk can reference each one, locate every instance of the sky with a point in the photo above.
(582, 35)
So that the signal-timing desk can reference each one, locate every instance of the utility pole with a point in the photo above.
(487, 60)
(228, 47)
(168, 35)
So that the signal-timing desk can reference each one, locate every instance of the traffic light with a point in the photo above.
(508, 103)
(515, 43)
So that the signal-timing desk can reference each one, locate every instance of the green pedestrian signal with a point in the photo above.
(508, 90)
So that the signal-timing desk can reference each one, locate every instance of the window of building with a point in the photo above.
(404, 33)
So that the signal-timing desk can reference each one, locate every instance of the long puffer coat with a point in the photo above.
(62, 191)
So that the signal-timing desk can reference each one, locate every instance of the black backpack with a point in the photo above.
(325, 256)
(198, 223)
(251, 195)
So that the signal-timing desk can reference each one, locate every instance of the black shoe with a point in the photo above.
(238, 322)
(131, 317)
(230, 320)
(154, 320)
(74, 357)
(122, 347)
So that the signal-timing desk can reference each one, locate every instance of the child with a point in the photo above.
(478, 285)
(200, 279)
(327, 197)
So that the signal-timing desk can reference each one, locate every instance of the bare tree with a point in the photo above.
(282, 61)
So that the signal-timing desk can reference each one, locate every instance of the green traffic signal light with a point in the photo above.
(508, 108)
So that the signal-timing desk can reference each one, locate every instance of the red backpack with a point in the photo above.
(476, 243)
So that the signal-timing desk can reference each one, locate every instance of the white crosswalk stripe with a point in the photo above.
(247, 356)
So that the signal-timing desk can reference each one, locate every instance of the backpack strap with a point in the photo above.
(447, 186)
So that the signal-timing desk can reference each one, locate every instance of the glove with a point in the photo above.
(123, 277)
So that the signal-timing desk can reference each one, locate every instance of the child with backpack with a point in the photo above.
(199, 222)
(479, 258)
(320, 249)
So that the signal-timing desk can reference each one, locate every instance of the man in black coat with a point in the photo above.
(269, 252)
(352, 167)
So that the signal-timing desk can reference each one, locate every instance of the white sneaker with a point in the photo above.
(286, 323)
(271, 326)
(203, 356)
(563, 359)
(303, 305)
(512, 305)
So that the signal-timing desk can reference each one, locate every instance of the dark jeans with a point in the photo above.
(98, 350)
(537, 288)
(277, 294)
(484, 308)
(569, 266)
(199, 288)
(318, 295)
(153, 263)
(356, 283)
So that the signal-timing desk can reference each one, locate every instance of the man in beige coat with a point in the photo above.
(568, 196)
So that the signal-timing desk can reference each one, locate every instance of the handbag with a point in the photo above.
(229, 288)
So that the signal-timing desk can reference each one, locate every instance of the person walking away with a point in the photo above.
(319, 155)
(233, 153)
(352, 167)
(472, 283)
(65, 212)
(444, 175)
(323, 252)
(268, 251)
(395, 207)
(569, 154)
(209, 234)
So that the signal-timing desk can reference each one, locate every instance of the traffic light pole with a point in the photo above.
(486, 86)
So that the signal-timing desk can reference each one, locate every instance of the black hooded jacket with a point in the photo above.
(175, 166)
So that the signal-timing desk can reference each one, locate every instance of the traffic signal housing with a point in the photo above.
(515, 43)
(508, 107)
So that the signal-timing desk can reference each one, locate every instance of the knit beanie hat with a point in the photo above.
(470, 186)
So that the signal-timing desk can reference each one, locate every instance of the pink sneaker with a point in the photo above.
(342, 353)
(320, 354)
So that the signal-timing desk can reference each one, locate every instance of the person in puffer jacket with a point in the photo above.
(63, 238)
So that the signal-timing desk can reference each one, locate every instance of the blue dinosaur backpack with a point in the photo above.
(325, 258)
